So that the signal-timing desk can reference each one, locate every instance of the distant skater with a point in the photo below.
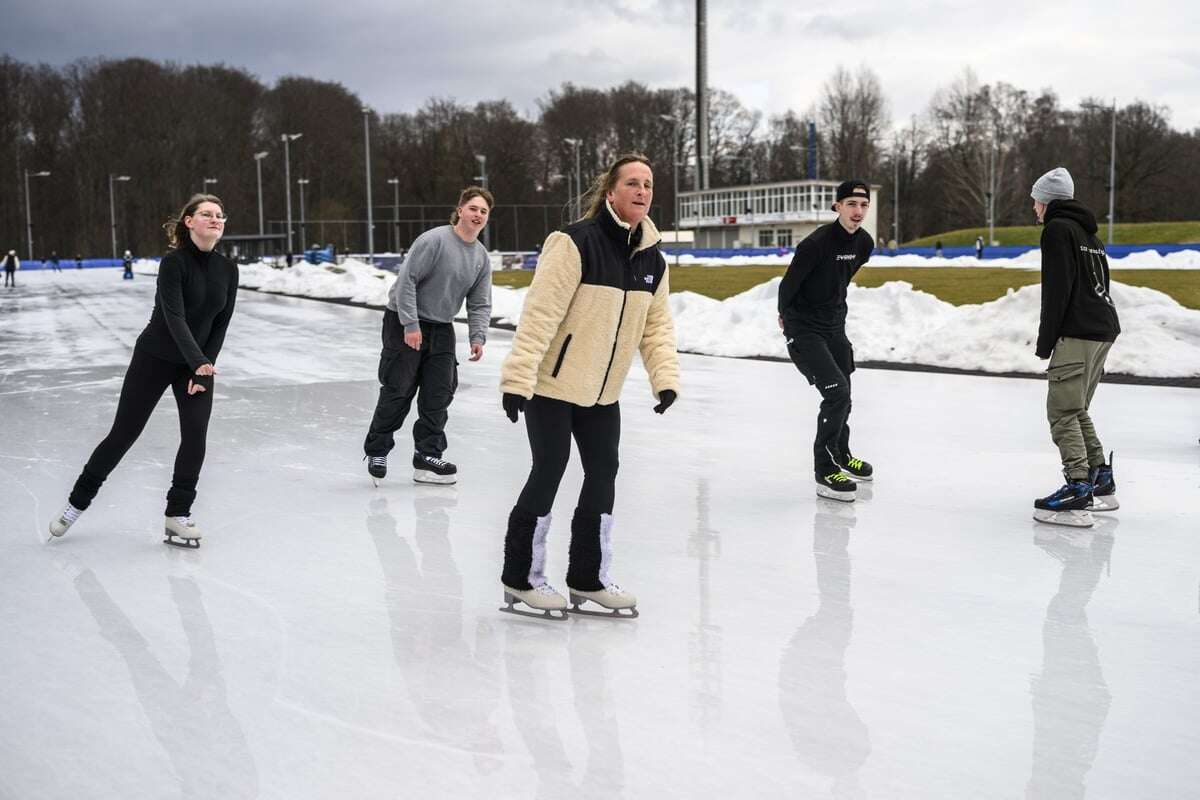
(11, 265)
(1078, 327)
(812, 314)
(128, 262)
(54, 265)
(197, 289)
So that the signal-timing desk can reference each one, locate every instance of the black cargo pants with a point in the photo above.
(429, 374)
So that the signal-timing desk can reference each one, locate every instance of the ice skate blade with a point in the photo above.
(1073, 519)
(830, 494)
(425, 476)
(509, 607)
(607, 613)
(1106, 503)
(179, 541)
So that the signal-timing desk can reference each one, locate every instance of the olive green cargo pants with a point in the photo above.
(1075, 369)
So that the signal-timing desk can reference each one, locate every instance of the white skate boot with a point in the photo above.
(65, 520)
(617, 602)
(541, 597)
(182, 532)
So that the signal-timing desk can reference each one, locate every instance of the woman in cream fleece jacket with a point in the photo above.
(599, 295)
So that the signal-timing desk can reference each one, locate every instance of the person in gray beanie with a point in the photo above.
(1078, 326)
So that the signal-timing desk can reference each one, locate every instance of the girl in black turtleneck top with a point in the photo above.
(197, 288)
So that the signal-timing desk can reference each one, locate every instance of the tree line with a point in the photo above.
(170, 127)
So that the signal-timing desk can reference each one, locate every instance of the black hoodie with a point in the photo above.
(1075, 282)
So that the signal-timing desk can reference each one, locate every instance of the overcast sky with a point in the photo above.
(773, 54)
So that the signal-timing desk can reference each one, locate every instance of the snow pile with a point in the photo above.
(1031, 259)
(352, 280)
(896, 323)
(892, 323)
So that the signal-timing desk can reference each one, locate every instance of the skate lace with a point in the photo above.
(437, 462)
(545, 589)
(70, 514)
(837, 477)
(185, 521)
(378, 461)
(855, 463)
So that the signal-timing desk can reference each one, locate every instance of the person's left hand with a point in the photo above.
(476, 351)
(665, 398)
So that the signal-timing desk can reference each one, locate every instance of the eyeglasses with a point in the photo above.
(219, 216)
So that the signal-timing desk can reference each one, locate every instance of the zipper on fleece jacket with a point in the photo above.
(620, 318)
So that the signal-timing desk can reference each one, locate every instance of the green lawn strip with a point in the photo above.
(956, 285)
(1123, 233)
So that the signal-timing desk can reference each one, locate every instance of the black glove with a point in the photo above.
(514, 404)
(203, 380)
(665, 398)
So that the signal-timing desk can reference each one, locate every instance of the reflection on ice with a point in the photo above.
(827, 733)
(190, 717)
(1070, 698)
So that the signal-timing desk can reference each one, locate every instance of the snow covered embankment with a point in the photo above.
(892, 323)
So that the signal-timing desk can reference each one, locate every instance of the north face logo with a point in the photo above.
(649, 279)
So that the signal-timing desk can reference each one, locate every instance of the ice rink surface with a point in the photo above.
(331, 639)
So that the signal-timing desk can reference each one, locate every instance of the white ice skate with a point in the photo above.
(616, 601)
(1072, 518)
(182, 532)
(544, 601)
(65, 520)
(542, 597)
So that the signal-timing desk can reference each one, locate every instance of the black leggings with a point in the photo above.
(827, 361)
(145, 381)
(597, 432)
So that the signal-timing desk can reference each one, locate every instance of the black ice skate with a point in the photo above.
(856, 468)
(836, 486)
(427, 469)
(376, 467)
(1068, 506)
(182, 532)
(1104, 487)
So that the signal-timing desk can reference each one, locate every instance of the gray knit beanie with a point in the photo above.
(1054, 185)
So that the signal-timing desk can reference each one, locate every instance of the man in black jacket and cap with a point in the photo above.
(812, 313)
(1078, 326)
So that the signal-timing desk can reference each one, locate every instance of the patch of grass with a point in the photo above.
(1123, 233)
(957, 285)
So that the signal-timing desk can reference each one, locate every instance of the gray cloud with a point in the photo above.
(772, 53)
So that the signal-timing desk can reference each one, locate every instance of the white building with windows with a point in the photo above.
(763, 215)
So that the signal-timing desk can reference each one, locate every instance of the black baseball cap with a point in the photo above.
(853, 189)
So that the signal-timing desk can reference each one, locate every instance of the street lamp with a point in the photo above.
(207, 181)
(302, 182)
(675, 125)
(366, 112)
(112, 208)
(258, 157)
(287, 139)
(395, 182)
(482, 178)
(28, 212)
(578, 177)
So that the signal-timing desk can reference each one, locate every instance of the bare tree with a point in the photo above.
(854, 116)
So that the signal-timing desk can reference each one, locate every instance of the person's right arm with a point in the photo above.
(170, 300)
(1058, 272)
(412, 269)
(558, 274)
(802, 263)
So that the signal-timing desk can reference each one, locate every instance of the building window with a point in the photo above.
(783, 237)
(766, 237)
